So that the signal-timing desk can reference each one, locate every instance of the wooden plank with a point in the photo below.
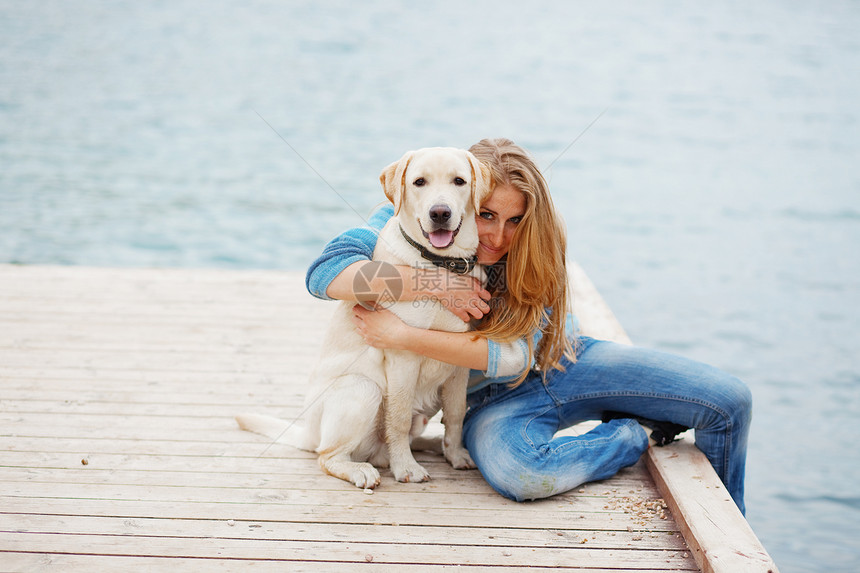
(128, 358)
(85, 564)
(152, 378)
(113, 390)
(361, 533)
(360, 512)
(290, 477)
(577, 555)
(150, 335)
(718, 535)
(285, 473)
(477, 510)
(92, 408)
(147, 283)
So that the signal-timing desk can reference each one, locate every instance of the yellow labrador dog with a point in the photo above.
(367, 404)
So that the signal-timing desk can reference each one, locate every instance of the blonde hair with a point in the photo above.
(532, 292)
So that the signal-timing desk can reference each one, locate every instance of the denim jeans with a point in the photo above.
(510, 431)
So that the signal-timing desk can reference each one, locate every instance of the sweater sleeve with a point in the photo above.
(506, 361)
(353, 245)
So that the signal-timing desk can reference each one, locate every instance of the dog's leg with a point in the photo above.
(453, 412)
(401, 371)
(350, 416)
(340, 464)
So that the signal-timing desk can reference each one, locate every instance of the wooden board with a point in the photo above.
(719, 536)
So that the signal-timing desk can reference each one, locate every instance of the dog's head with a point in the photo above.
(436, 192)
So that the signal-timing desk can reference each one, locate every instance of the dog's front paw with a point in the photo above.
(459, 458)
(365, 476)
(411, 473)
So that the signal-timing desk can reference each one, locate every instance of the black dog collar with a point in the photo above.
(459, 265)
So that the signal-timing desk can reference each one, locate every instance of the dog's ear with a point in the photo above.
(482, 181)
(393, 181)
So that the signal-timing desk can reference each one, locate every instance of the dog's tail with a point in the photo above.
(276, 429)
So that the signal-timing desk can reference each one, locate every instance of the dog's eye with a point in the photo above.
(459, 181)
(420, 182)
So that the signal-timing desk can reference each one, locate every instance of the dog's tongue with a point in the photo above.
(441, 239)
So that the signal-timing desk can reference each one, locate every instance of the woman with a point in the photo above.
(532, 375)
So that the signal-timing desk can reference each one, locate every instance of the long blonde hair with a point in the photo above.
(532, 292)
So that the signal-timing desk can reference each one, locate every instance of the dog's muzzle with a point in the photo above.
(442, 236)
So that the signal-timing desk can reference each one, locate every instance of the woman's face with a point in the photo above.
(497, 220)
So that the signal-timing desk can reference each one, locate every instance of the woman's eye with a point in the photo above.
(515, 220)
(419, 182)
(486, 215)
(459, 181)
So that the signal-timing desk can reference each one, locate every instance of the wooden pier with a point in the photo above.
(118, 449)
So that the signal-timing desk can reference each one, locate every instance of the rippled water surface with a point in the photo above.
(714, 202)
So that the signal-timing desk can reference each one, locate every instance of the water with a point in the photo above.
(714, 203)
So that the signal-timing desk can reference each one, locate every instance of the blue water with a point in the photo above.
(715, 202)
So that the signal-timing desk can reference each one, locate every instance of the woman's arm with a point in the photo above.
(352, 246)
(333, 274)
(462, 295)
(383, 329)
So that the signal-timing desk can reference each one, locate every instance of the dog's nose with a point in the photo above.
(440, 214)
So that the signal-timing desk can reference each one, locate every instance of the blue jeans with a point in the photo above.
(510, 431)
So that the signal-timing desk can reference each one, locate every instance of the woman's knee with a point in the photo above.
(523, 476)
(727, 401)
(510, 467)
(521, 470)
(736, 400)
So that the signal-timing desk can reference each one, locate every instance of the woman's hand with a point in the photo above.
(465, 296)
(380, 328)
